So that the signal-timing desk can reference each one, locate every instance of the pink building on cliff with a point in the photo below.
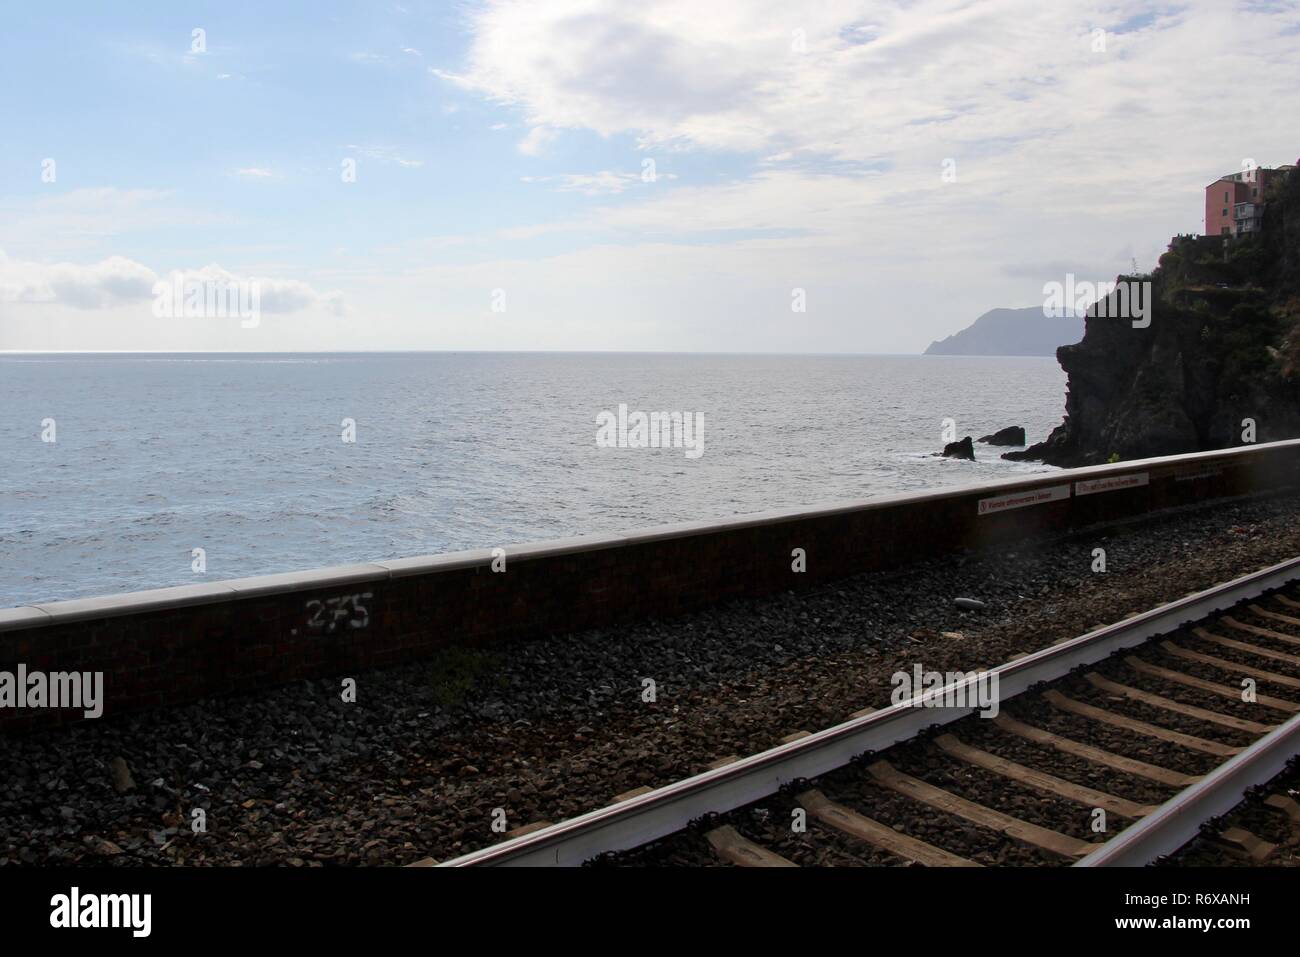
(1234, 204)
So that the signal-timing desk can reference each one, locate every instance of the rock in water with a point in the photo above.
(122, 780)
(1011, 435)
(960, 450)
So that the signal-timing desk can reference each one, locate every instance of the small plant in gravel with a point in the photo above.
(454, 672)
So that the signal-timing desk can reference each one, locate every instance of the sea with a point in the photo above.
(121, 472)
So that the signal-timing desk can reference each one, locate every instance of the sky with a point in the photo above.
(643, 175)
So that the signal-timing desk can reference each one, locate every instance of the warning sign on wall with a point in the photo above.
(1111, 484)
(1036, 496)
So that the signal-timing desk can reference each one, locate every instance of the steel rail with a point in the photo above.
(1179, 819)
(668, 809)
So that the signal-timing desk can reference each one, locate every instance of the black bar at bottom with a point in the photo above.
(647, 909)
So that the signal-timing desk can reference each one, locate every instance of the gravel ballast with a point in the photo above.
(549, 729)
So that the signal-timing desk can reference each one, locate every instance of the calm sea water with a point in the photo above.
(243, 456)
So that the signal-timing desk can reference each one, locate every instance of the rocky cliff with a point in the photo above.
(1223, 345)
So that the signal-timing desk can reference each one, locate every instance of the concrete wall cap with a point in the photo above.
(311, 579)
(563, 546)
(155, 599)
(676, 530)
(13, 619)
(446, 562)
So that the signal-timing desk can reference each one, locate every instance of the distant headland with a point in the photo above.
(1011, 332)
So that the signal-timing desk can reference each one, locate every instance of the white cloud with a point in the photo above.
(818, 169)
(118, 281)
(277, 295)
(112, 282)
(834, 154)
(536, 140)
(385, 154)
(254, 171)
(894, 84)
(604, 183)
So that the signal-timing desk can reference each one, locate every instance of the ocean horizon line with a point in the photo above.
(484, 352)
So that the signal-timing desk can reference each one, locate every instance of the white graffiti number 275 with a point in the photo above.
(329, 613)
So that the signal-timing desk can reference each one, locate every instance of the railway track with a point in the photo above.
(1112, 748)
